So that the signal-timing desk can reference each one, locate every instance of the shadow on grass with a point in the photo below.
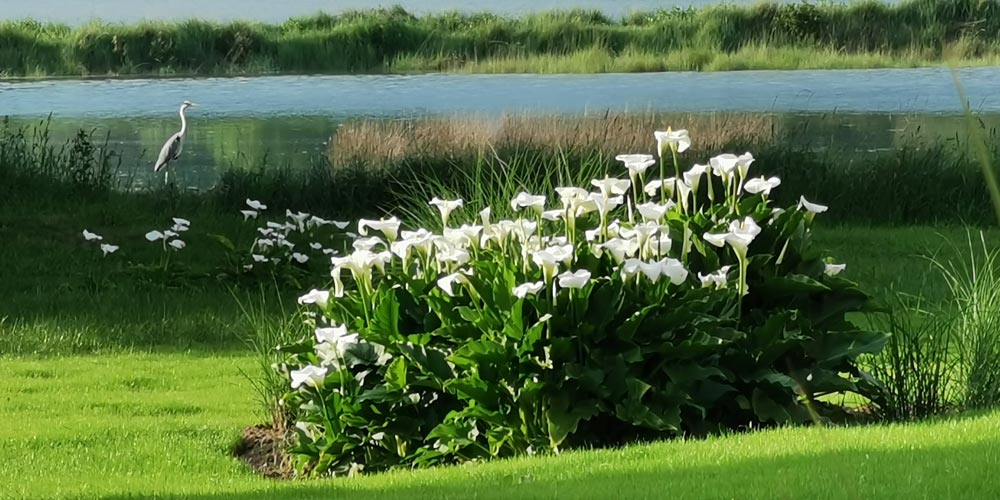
(861, 473)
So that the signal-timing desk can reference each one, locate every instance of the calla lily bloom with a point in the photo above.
(717, 239)
(652, 211)
(716, 279)
(89, 236)
(547, 262)
(178, 244)
(693, 176)
(577, 279)
(553, 215)
(181, 222)
(331, 334)
(447, 283)
(249, 214)
(316, 246)
(761, 185)
(389, 227)
(633, 158)
(526, 200)
(620, 248)
(611, 187)
(523, 290)
(300, 258)
(674, 138)
(259, 258)
(743, 163)
(256, 205)
(318, 297)
(367, 243)
(814, 208)
(724, 164)
(154, 236)
(664, 187)
(638, 168)
(834, 269)
(311, 376)
(108, 249)
(742, 233)
(446, 207)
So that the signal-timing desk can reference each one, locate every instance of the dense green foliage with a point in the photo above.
(468, 347)
(861, 34)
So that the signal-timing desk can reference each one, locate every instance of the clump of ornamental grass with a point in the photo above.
(660, 304)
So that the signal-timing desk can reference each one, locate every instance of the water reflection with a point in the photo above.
(214, 144)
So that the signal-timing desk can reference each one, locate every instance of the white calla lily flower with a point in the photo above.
(107, 249)
(611, 187)
(300, 258)
(760, 185)
(652, 211)
(526, 200)
(177, 244)
(368, 243)
(256, 205)
(577, 279)
(678, 139)
(154, 236)
(716, 239)
(318, 297)
(89, 236)
(447, 283)
(446, 207)
(693, 176)
(665, 187)
(814, 208)
(259, 258)
(523, 290)
(717, 279)
(181, 222)
(389, 227)
(724, 164)
(311, 376)
(249, 214)
(834, 269)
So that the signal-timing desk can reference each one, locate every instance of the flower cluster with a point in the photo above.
(171, 238)
(275, 244)
(106, 248)
(497, 337)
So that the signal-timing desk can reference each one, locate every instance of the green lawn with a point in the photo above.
(117, 386)
(143, 425)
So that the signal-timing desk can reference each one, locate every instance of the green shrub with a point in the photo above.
(702, 309)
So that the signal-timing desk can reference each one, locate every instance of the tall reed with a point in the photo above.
(765, 35)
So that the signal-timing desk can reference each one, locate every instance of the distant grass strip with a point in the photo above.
(727, 37)
(161, 426)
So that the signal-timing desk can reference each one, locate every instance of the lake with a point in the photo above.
(291, 119)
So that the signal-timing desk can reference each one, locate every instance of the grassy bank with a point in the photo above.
(141, 426)
(924, 32)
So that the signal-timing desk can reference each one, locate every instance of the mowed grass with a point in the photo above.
(163, 425)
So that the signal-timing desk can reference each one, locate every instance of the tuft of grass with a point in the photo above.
(917, 365)
(722, 37)
(974, 282)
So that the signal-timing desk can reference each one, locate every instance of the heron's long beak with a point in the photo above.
(193, 105)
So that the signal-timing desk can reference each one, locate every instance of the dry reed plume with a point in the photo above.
(383, 142)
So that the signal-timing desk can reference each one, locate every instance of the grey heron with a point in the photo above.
(172, 149)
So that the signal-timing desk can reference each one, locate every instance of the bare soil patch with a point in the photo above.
(262, 447)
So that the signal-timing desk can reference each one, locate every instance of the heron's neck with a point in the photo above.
(184, 122)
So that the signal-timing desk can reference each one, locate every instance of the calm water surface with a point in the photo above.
(77, 11)
(290, 120)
